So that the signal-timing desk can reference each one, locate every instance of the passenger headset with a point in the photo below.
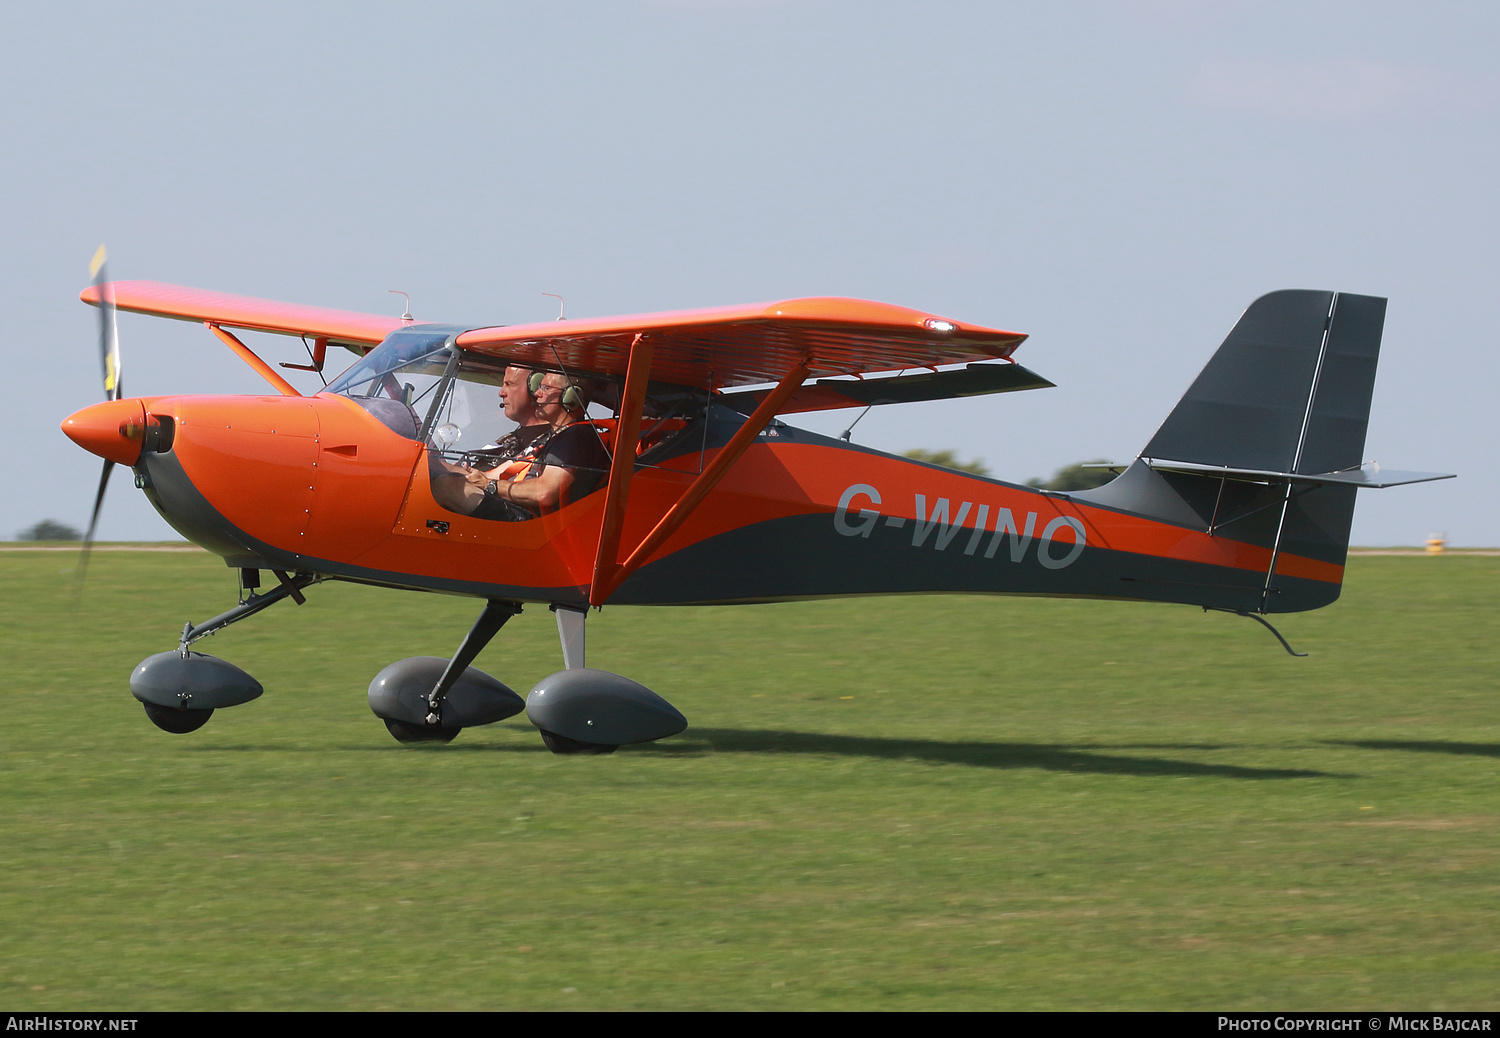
(572, 397)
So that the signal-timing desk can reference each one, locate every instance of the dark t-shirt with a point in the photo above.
(576, 448)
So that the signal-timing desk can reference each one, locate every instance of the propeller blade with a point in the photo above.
(88, 540)
(109, 335)
(109, 358)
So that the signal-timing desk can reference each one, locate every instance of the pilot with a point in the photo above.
(571, 463)
(461, 488)
(520, 407)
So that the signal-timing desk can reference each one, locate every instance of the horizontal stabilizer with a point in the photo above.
(1371, 476)
(829, 394)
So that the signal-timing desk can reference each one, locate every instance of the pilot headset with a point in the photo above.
(572, 398)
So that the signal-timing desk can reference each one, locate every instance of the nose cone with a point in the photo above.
(113, 430)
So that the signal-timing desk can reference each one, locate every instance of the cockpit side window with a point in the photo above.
(469, 417)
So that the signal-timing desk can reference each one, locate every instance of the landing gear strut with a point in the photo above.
(429, 699)
(570, 631)
(252, 604)
(580, 710)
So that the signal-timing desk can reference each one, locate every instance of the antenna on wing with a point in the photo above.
(397, 292)
(554, 295)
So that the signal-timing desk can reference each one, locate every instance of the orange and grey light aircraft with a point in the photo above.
(658, 471)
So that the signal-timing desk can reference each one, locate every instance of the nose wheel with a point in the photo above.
(181, 689)
(175, 720)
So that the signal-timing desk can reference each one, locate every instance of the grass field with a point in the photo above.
(922, 803)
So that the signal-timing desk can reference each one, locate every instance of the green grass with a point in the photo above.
(922, 803)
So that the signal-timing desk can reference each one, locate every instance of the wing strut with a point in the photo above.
(706, 481)
(248, 355)
(621, 469)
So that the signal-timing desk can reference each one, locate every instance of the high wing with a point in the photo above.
(836, 340)
(157, 299)
(725, 347)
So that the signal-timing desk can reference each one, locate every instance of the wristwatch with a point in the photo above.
(491, 488)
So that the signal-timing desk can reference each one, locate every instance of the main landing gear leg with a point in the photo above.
(431, 715)
(496, 612)
(585, 711)
(570, 624)
(570, 631)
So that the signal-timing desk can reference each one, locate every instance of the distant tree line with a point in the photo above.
(948, 460)
(49, 530)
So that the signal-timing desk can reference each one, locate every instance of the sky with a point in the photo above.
(1117, 180)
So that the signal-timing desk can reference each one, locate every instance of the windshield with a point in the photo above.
(398, 380)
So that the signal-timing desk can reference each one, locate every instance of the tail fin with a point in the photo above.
(1265, 448)
(1289, 391)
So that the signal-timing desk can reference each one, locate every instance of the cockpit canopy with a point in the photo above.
(419, 384)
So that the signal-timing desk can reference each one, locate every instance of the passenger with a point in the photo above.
(571, 463)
